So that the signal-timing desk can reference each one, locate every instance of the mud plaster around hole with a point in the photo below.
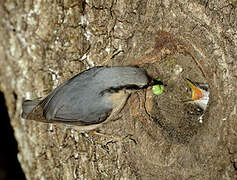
(178, 121)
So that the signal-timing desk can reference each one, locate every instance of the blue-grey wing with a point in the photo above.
(86, 110)
(76, 101)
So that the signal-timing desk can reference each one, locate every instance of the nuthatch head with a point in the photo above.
(89, 98)
(200, 93)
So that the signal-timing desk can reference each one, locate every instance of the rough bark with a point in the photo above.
(44, 43)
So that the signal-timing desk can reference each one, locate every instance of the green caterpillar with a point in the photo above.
(158, 88)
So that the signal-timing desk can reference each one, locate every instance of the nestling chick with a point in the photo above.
(200, 94)
(89, 98)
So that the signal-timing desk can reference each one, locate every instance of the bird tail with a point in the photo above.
(28, 106)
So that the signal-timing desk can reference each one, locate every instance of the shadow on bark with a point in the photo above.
(9, 165)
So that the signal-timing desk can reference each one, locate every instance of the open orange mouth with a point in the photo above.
(196, 91)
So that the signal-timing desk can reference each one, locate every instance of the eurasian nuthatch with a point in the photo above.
(89, 98)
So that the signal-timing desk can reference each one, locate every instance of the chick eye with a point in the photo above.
(204, 88)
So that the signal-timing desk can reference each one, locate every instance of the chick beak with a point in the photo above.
(197, 93)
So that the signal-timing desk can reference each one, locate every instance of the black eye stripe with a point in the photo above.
(117, 89)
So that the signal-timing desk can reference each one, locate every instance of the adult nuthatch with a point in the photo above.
(89, 98)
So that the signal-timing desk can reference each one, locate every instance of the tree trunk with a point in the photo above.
(45, 43)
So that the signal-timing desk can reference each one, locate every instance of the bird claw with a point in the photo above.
(114, 139)
(121, 139)
(110, 56)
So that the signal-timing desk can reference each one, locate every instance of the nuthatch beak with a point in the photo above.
(200, 93)
(89, 98)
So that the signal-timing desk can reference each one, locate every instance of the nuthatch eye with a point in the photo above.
(89, 98)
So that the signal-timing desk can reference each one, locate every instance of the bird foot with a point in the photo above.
(121, 139)
(110, 56)
(114, 139)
